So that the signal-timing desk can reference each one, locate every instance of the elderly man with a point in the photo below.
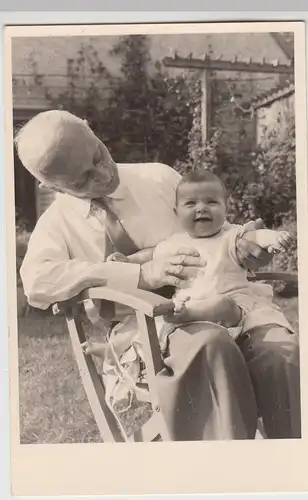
(214, 389)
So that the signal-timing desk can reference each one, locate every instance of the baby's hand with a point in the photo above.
(180, 304)
(117, 257)
(282, 244)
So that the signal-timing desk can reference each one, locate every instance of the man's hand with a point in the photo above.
(173, 270)
(250, 254)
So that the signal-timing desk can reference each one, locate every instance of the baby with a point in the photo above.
(221, 292)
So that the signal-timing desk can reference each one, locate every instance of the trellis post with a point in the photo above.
(205, 104)
(207, 65)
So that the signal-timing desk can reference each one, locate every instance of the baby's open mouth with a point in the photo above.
(203, 218)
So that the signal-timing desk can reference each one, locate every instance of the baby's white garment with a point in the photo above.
(223, 275)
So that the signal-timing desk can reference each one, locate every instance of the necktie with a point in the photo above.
(118, 236)
(118, 240)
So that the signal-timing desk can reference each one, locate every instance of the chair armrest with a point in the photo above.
(287, 277)
(152, 304)
(143, 301)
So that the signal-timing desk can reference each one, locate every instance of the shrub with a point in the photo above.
(274, 164)
(142, 115)
(287, 261)
(22, 240)
(261, 181)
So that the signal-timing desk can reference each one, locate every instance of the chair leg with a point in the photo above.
(93, 385)
(154, 364)
(149, 431)
(261, 429)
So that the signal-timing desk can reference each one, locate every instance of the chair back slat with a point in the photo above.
(287, 277)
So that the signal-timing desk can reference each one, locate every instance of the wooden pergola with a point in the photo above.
(208, 64)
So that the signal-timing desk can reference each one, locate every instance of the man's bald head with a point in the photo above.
(45, 144)
(62, 152)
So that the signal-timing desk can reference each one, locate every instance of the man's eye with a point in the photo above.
(82, 181)
(98, 156)
(96, 159)
(80, 184)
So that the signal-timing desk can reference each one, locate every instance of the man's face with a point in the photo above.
(201, 208)
(89, 172)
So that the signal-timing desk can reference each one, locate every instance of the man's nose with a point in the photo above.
(101, 172)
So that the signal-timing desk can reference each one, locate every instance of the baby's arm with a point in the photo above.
(136, 258)
(272, 241)
(142, 256)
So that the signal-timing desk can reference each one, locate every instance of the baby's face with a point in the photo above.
(90, 172)
(201, 208)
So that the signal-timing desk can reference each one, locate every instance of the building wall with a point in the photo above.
(238, 128)
(277, 112)
(48, 56)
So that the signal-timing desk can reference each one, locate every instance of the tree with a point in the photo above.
(149, 112)
(86, 89)
(141, 115)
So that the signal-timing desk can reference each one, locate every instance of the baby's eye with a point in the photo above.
(190, 204)
(212, 202)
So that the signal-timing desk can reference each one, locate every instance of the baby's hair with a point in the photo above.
(197, 176)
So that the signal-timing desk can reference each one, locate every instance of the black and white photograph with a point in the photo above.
(155, 206)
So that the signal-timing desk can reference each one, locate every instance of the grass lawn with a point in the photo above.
(53, 404)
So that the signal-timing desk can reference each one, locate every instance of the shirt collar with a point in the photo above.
(120, 193)
(83, 206)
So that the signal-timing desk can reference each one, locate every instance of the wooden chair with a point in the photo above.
(147, 306)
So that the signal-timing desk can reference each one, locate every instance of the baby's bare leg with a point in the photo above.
(99, 349)
(105, 349)
(218, 309)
